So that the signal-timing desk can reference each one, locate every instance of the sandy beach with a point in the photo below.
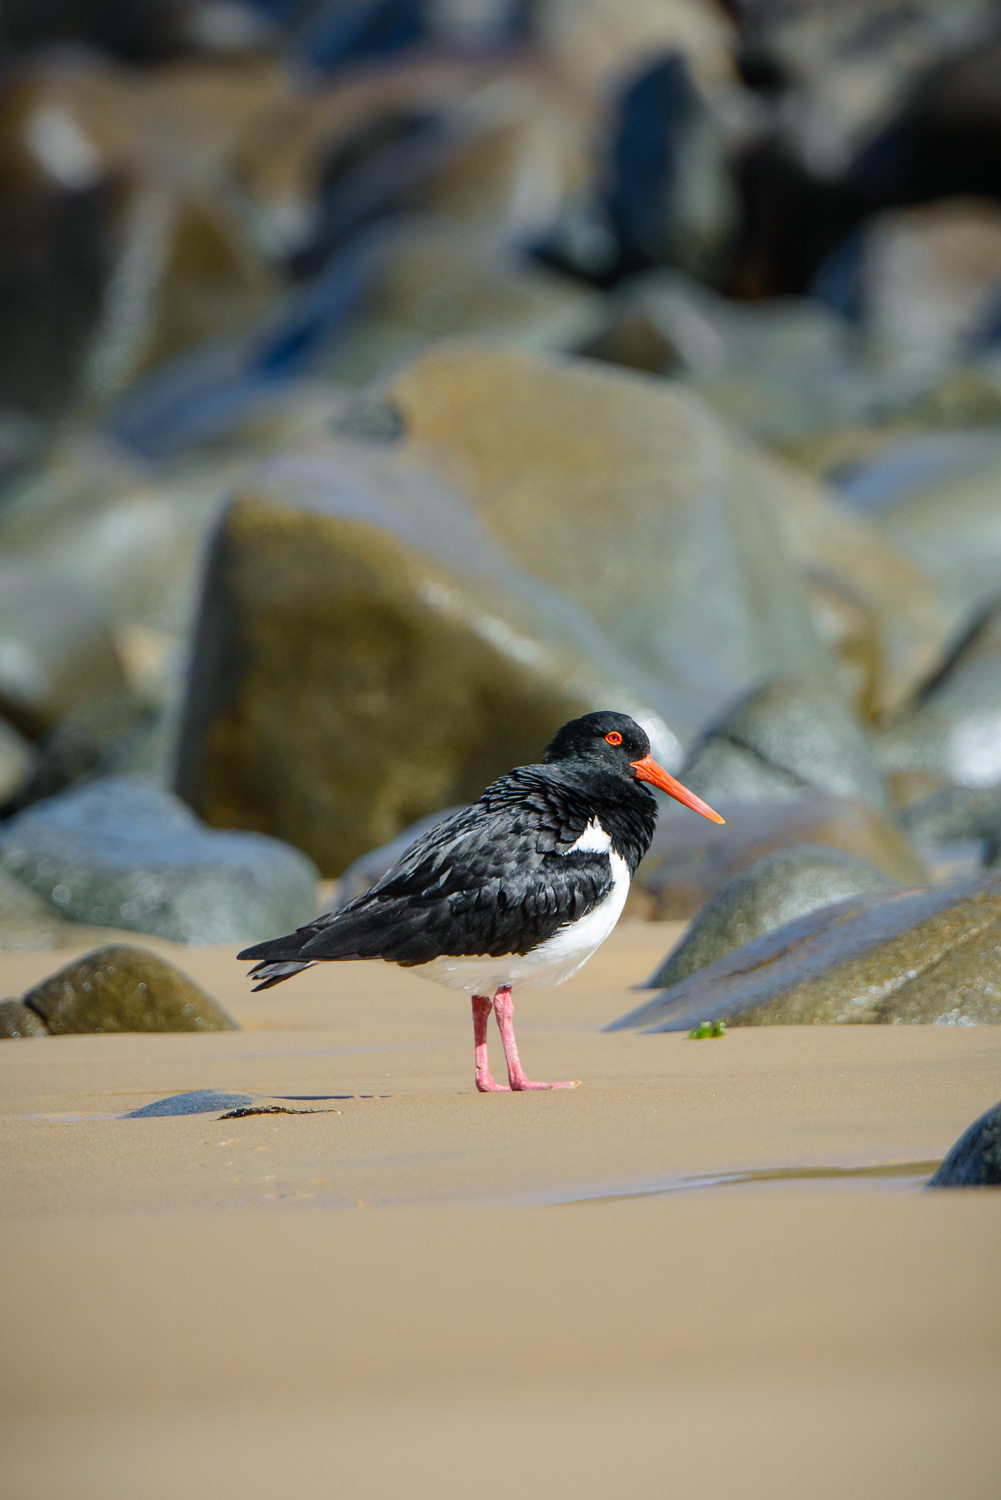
(702, 1270)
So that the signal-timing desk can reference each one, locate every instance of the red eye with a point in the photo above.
(614, 738)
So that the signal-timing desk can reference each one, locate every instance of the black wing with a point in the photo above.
(494, 879)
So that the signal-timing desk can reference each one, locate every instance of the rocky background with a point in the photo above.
(384, 382)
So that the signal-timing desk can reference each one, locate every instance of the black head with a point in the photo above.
(616, 743)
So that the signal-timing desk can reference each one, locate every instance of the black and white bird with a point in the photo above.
(516, 890)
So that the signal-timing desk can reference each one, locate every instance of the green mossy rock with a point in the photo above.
(914, 956)
(773, 890)
(17, 1020)
(365, 656)
(121, 988)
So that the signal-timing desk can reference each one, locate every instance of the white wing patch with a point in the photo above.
(561, 955)
(594, 840)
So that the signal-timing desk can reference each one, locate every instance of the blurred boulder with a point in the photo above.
(930, 283)
(17, 761)
(360, 641)
(434, 280)
(953, 813)
(785, 741)
(914, 956)
(975, 1159)
(55, 649)
(934, 496)
(121, 988)
(951, 734)
(628, 495)
(689, 862)
(70, 751)
(16, 1020)
(773, 890)
(121, 852)
(26, 921)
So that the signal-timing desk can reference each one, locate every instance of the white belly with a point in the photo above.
(555, 960)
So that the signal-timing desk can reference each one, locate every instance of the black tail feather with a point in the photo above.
(268, 974)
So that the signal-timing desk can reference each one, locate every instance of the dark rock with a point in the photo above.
(952, 731)
(55, 649)
(16, 1020)
(124, 989)
(195, 1102)
(361, 639)
(122, 852)
(690, 859)
(784, 741)
(774, 890)
(659, 523)
(913, 956)
(975, 1159)
(933, 495)
(75, 746)
(363, 874)
(953, 813)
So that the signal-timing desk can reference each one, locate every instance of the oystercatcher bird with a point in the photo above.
(518, 889)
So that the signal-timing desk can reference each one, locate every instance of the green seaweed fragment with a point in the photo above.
(707, 1028)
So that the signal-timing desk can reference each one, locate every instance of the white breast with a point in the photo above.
(560, 956)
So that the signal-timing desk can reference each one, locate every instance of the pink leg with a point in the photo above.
(504, 1011)
(484, 1081)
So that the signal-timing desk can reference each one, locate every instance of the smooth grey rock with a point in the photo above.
(691, 859)
(120, 988)
(17, 1020)
(26, 920)
(975, 1159)
(72, 749)
(913, 956)
(776, 889)
(952, 732)
(194, 1102)
(124, 853)
(783, 741)
(952, 813)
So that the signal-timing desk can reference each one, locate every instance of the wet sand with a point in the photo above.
(413, 1289)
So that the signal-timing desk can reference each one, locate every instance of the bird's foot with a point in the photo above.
(521, 1085)
(487, 1085)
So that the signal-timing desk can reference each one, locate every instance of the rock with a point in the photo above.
(122, 852)
(687, 863)
(929, 282)
(363, 874)
(933, 496)
(435, 280)
(952, 732)
(16, 1020)
(785, 741)
(194, 1102)
(975, 1159)
(953, 813)
(17, 761)
(601, 42)
(55, 649)
(625, 493)
(361, 639)
(72, 750)
(913, 956)
(26, 921)
(119, 988)
(774, 890)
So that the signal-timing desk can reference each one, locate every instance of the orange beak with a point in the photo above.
(647, 769)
